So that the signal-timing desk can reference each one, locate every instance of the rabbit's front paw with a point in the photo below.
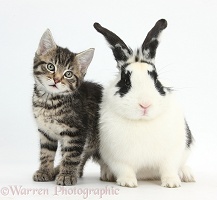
(171, 182)
(186, 175)
(127, 182)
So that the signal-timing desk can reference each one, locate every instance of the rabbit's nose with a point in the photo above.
(144, 106)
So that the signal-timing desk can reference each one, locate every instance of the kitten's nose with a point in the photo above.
(56, 80)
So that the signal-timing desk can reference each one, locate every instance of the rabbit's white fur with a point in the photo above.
(138, 143)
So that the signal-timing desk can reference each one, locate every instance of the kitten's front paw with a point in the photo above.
(171, 182)
(43, 176)
(80, 174)
(66, 179)
(127, 182)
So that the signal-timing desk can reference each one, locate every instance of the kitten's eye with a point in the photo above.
(50, 67)
(68, 74)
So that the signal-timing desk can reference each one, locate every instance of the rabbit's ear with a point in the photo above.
(120, 50)
(151, 42)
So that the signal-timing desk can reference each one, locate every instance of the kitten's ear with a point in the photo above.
(84, 59)
(46, 43)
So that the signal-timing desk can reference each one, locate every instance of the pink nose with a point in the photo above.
(144, 106)
(56, 80)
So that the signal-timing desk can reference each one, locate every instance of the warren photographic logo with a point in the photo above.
(85, 193)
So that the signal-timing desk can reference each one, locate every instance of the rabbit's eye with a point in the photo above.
(125, 78)
(127, 82)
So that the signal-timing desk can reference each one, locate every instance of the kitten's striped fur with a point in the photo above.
(66, 110)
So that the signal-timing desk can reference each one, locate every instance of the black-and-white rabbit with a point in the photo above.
(143, 132)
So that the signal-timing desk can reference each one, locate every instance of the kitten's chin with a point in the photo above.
(55, 90)
(52, 89)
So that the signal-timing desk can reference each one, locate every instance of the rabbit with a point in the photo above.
(143, 131)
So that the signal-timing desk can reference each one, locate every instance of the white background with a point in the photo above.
(186, 58)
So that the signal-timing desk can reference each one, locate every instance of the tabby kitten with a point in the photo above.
(66, 110)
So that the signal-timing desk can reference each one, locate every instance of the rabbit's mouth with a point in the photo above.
(145, 108)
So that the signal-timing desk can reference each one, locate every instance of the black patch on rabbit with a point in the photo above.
(157, 83)
(120, 50)
(189, 137)
(124, 84)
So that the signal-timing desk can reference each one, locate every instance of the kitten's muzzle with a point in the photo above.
(56, 80)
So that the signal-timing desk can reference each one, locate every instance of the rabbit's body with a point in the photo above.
(147, 144)
(142, 143)
(143, 132)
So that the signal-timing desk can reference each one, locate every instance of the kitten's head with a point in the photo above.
(56, 69)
